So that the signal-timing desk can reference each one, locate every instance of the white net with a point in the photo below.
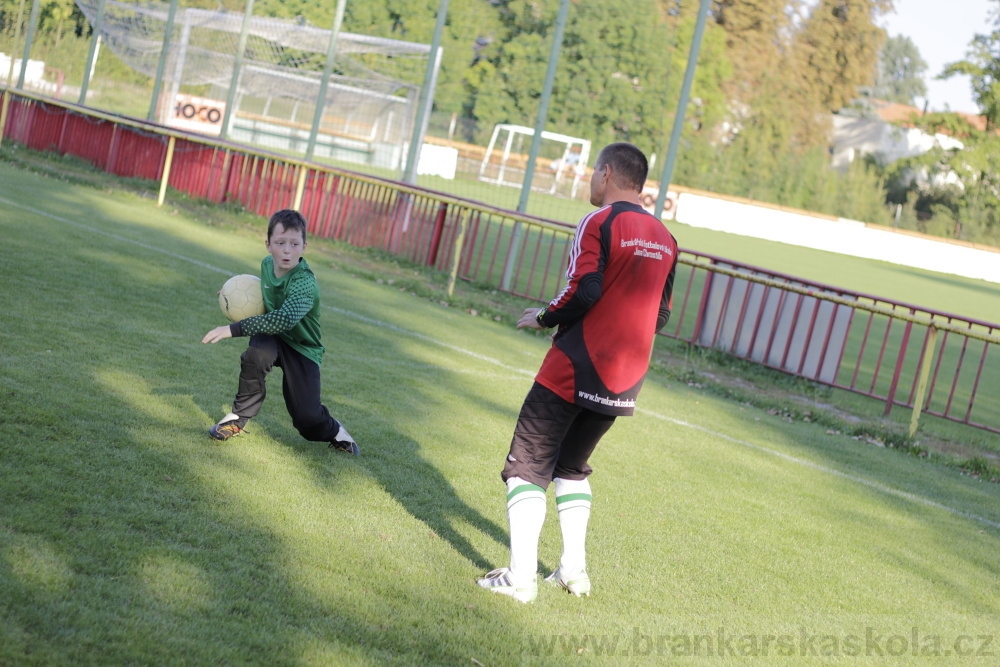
(370, 103)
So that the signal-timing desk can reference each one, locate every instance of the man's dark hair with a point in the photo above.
(628, 165)
(290, 220)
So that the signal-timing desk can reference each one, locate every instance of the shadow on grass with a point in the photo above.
(126, 537)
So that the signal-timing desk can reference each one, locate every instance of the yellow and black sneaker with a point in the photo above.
(227, 427)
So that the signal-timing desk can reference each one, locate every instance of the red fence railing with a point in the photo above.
(848, 340)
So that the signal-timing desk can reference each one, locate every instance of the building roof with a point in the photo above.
(902, 114)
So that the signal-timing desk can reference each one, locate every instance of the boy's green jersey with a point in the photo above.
(292, 303)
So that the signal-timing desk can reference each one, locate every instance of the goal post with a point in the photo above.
(575, 154)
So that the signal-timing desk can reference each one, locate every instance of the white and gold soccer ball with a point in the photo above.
(241, 297)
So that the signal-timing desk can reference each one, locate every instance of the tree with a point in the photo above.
(982, 65)
(756, 40)
(619, 73)
(59, 12)
(899, 75)
(837, 48)
(957, 190)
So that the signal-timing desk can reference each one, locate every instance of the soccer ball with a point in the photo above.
(241, 297)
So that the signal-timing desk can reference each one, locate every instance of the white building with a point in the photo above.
(855, 137)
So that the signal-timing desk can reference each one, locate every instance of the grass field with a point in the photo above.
(720, 534)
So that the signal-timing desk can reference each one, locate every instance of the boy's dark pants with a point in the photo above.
(300, 385)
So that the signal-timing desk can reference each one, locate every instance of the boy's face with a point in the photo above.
(286, 247)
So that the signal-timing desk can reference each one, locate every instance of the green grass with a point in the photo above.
(967, 297)
(538, 251)
(128, 536)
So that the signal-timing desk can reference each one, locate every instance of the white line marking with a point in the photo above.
(429, 339)
(520, 371)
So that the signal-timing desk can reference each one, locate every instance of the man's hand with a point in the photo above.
(217, 334)
(528, 320)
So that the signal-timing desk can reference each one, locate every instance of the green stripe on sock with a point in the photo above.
(523, 488)
(574, 496)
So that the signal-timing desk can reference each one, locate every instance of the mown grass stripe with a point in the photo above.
(397, 329)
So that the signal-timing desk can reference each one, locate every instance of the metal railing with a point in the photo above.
(854, 341)
(858, 342)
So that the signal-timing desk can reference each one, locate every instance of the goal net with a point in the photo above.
(371, 98)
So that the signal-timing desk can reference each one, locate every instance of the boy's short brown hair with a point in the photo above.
(288, 218)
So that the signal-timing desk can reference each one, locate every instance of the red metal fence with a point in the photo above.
(849, 340)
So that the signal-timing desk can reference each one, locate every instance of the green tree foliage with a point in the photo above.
(756, 34)
(899, 76)
(837, 49)
(617, 76)
(954, 192)
(982, 66)
(957, 192)
(788, 74)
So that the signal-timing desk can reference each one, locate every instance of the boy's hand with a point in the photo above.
(217, 334)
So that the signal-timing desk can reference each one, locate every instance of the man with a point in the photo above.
(617, 296)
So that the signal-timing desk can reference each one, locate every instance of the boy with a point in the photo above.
(617, 297)
(287, 335)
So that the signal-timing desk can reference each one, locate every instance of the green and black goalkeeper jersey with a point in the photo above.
(292, 303)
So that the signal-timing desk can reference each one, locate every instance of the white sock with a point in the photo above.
(526, 514)
(573, 498)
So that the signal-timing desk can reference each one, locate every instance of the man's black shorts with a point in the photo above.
(553, 438)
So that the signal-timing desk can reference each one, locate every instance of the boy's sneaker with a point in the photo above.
(499, 581)
(577, 584)
(343, 442)
(227, 427)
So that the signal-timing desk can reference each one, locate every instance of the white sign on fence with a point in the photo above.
(197, 114)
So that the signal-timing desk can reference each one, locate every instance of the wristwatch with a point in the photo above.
(538, 318)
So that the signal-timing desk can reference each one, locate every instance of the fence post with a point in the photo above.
(300, 187)
(703, 304)
(543, 106)
(432, 252)
(13, 45)
(924, 371)
(890, 399)
(536, 142)
(675, 132)
(88, 70)
(154, 102)
(426, 99)
(331, 54)
(234, 81)
(456, 255)
(166, 170)
(3, 112)
(28, 38)
(112, 159)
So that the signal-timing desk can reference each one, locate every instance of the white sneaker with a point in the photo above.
(577, 584)
(499, 581)
(343, 442)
